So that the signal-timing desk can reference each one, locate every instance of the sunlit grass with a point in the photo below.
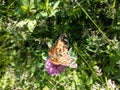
(27, 34)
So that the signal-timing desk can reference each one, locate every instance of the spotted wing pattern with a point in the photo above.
(58, 53)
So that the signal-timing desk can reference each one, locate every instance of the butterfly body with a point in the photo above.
(58, 53)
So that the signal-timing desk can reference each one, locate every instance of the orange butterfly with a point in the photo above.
(58, 53)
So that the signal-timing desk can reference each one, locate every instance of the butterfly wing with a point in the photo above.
(60, 46)
(66, 60)
(59, 53)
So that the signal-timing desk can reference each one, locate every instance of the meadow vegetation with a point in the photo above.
(28, 28)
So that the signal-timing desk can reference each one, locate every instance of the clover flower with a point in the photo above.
(98, 70)
(53, 69)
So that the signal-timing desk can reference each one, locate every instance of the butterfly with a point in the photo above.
(58, 53)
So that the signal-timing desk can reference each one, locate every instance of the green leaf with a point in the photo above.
(24, 8)
(25, 3)
(44, 14)
(45, 88)
(49, 44)
(31, 25)
(44, 56)
(56, 5)
(22, 23)
(32, 4)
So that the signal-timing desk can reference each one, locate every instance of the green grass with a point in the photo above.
(29, 28)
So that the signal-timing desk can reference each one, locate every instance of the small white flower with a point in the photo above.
(98, 70)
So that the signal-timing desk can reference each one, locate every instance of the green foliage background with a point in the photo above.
(29, 27)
